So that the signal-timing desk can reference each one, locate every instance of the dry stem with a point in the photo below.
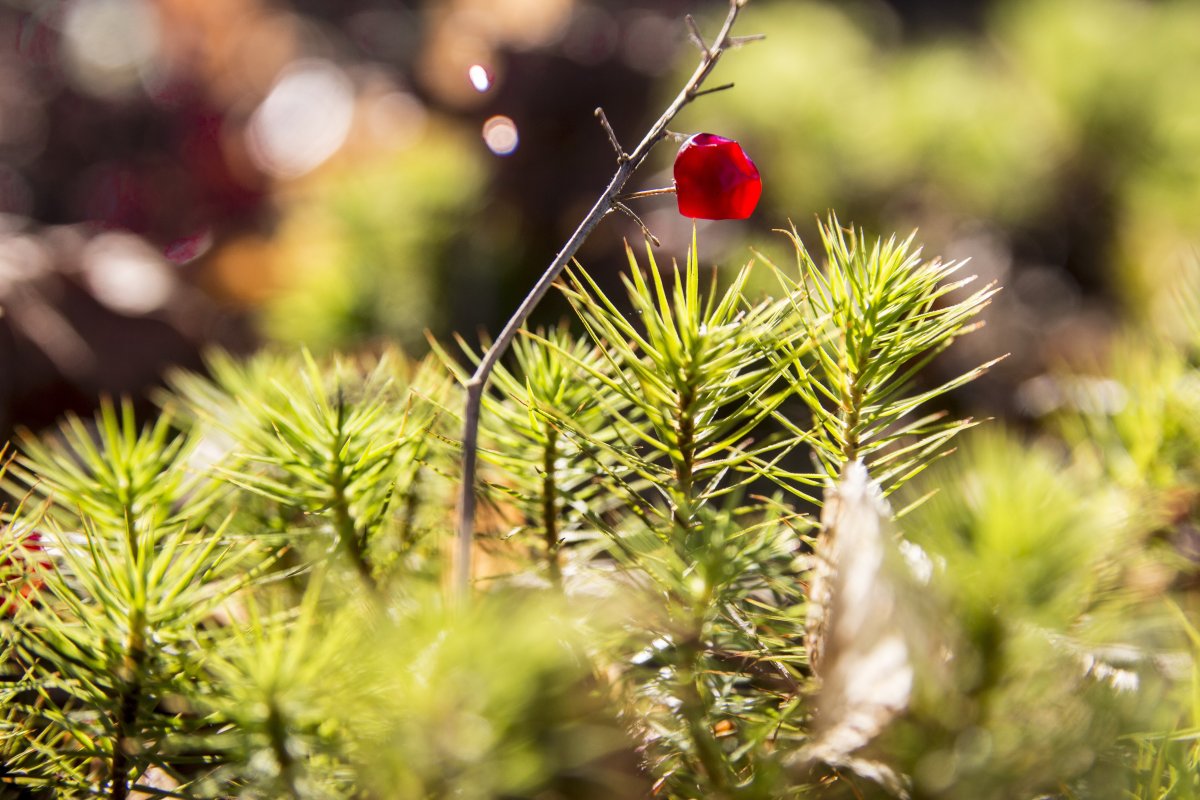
(627, 164)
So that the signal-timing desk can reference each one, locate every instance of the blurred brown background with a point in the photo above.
(180, 174)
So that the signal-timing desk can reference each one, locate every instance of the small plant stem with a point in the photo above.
(347, 532)
(694, 33)
(701, 92)
(343, 522)
(550, 506)
(691, 653)
(850, 423)
(277, 733)
(408, 518)
(127, 710)
(695, 712)
(684, 467)
(477, 383)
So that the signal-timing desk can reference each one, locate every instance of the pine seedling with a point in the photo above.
(704, 370)
(337, 451)
(491, 701)
(111, 651)
(276, 697)
(108, 472)
(710, 679)
(1135, 427)
(1036, 620)
(107, 651)
(697, 371)
(876, 314)
(1137, 422)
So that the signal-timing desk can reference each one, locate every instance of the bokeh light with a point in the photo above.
(500, 135)
(110, 46)
(303, 121)
(480, 78)
(126, 275)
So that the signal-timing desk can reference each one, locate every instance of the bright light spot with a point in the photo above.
(126, 275)
(213, 447)
(479, 77)
(919, 562)
(110, 46)
(500, 135)
(452, 47)
(303, 121)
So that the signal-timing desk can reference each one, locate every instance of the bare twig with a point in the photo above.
(629, 212)
(713, 90)
(647, 193)
(739, 41)
(694, 35)
(607, 201)
(622, 156)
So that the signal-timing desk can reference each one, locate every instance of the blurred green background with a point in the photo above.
(176, 174)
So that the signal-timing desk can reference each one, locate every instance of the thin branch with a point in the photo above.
(647, 193)
(713, 90)
(476, 384)
(741, 41)
(348, 535)
(125, 736)
(622, 156)
(694, 35)
(629, 212)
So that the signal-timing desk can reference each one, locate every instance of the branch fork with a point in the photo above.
(695, 36)
(610, 200)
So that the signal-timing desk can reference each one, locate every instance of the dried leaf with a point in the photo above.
(861, 628)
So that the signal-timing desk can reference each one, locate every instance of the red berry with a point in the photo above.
(715, 179)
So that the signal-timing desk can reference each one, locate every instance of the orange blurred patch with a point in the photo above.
(235, 47)
(244, 270)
